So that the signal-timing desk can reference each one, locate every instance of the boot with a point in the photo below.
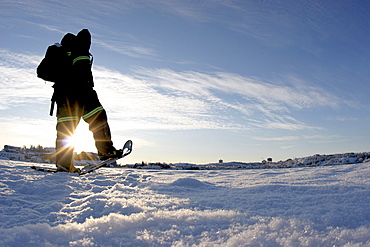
(114, 154)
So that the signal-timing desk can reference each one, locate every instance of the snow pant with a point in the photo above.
(71, 108)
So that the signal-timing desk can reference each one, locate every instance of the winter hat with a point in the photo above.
(84, 40)
(68, 40)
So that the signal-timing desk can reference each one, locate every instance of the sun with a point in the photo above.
(82, 140)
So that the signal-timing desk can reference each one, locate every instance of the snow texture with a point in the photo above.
(307, 206)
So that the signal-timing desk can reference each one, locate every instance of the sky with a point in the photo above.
(199, 81)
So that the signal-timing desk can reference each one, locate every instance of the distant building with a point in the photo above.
(11, 149)
(40, 154)
(11, 153)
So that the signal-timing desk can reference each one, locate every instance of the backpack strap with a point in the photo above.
(53, 100)
(79, 58)
(52, 107)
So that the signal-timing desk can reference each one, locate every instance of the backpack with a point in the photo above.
(56, 66)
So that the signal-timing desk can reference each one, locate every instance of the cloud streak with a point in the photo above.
(255, 103)
(169, 100)
(18, 82)
(299, 138)
(127, 49)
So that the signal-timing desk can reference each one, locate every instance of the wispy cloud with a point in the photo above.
(18, 82)
(143, 106)
(344, 118)
(166, 99)
(132, 50)
(277, 23)
(298, 138)
(256, 103)
(189, 10)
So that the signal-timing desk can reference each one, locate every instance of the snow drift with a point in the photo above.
(309, 206)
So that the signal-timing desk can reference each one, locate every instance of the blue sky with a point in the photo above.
(199, 81)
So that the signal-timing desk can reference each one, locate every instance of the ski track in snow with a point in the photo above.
(311, 206)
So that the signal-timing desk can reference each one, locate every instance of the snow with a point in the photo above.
(304, 206)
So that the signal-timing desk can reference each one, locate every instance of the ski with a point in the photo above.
(44, 168)
(127, 149)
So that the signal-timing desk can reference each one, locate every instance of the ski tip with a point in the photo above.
(127, 148)
(128, 145)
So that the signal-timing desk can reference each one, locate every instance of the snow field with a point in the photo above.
(315, 206)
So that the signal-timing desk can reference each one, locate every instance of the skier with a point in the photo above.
(76, 99)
